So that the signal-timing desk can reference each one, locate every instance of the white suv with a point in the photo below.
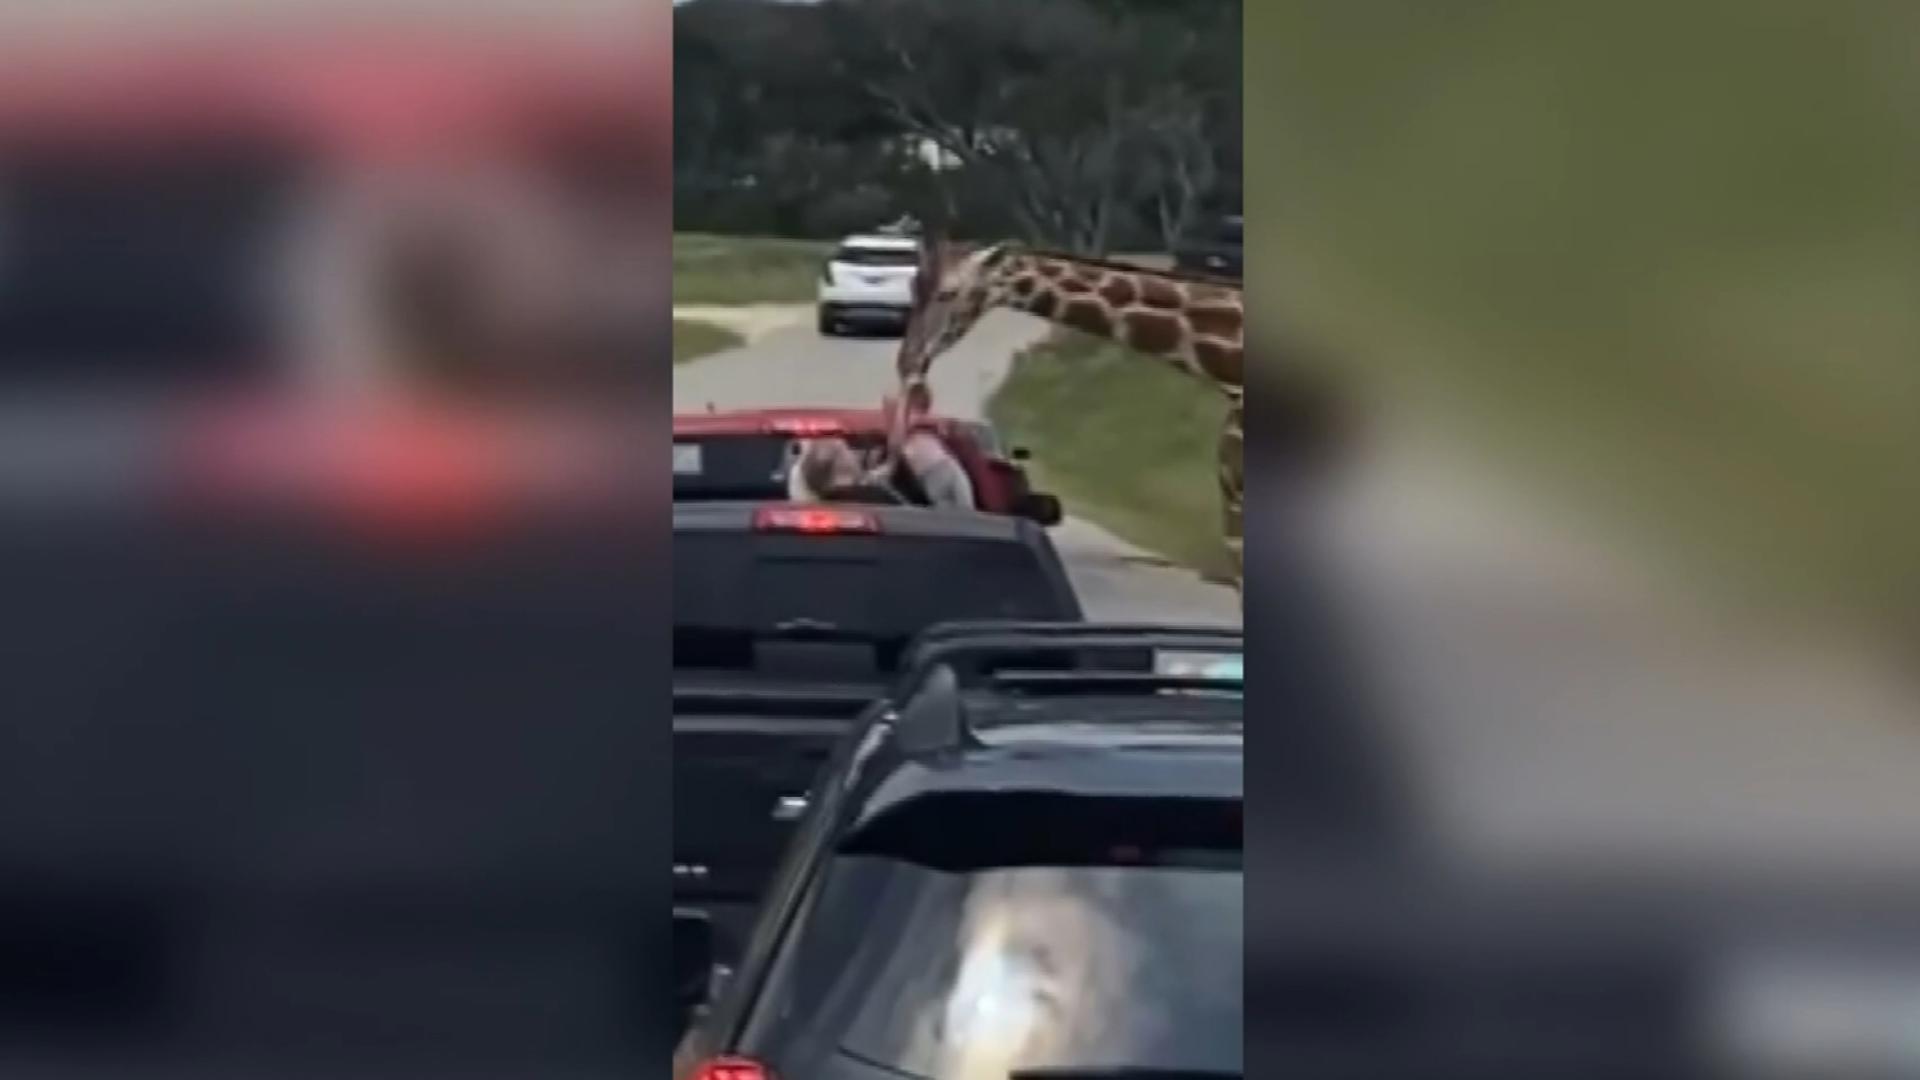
(868, 281)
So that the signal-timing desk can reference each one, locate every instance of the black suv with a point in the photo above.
(1028, 864)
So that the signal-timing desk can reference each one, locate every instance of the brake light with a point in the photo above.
(732, 1068)
(806, 427)
(813, 520)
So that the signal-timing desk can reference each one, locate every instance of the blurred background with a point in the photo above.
(1627, 294)
(1665, 262)
(1622, 299)
(329, 338)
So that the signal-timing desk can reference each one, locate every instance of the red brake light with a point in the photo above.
(813, 520)
(806, 427)
(732, 1068)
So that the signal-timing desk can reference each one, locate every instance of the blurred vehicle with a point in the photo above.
(1220, 254)
(788, 622)
(745, 454)
(232, 642)
(321, 209)
(1028, 865)
(868, 281)
(289, 669)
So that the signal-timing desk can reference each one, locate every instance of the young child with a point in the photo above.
(827, 470)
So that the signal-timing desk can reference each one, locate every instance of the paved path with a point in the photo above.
(751, 321)
(794, 365)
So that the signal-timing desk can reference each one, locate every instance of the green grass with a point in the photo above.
(1665, 258)
(745, 270)
(1124, 440)
(693, 339)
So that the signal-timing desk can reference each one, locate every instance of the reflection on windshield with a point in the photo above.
(1039, 968)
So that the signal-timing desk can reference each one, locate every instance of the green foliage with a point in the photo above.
(744, 270)
(791, 119)
(1125, 440)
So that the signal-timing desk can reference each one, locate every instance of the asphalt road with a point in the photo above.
(1560, 703)
(794, 365)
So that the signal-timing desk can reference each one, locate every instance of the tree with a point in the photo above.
(1176, 165)
(1074, 123)
(1061, 106)
(968, 78)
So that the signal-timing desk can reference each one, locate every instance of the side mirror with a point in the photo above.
(1020, 454)
(1042, 509)
(693, 962)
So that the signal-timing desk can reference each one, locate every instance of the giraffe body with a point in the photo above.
(1196, 324)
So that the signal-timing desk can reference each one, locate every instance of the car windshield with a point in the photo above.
(1037, 968)
(862, 255)
(986, 972)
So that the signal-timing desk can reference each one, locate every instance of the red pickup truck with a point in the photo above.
(745, 454)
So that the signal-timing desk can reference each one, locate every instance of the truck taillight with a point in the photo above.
(732, 1068)
(814, 520)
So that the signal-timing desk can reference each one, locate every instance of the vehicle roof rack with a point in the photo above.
(1052, 659)
(989, 636)
(1032, 683)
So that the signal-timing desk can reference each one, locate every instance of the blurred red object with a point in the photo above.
(400, 470)
(361, 95)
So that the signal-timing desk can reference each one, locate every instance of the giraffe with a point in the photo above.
(1194, 323)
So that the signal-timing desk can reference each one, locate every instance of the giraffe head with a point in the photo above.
(955, 287)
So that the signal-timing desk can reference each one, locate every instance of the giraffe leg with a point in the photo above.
(1232, 472)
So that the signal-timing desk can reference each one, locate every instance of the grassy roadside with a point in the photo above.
(745, 270)
(1144, 469)
(693, 339)
(1683, 297)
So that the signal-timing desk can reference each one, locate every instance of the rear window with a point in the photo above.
(1091, 945)
(756, 466)
(856, 255)
(739, 598)
(741, 466)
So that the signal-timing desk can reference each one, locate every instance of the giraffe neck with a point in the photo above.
(1197, 326)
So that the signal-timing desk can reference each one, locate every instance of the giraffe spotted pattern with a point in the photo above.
(1198, 325)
